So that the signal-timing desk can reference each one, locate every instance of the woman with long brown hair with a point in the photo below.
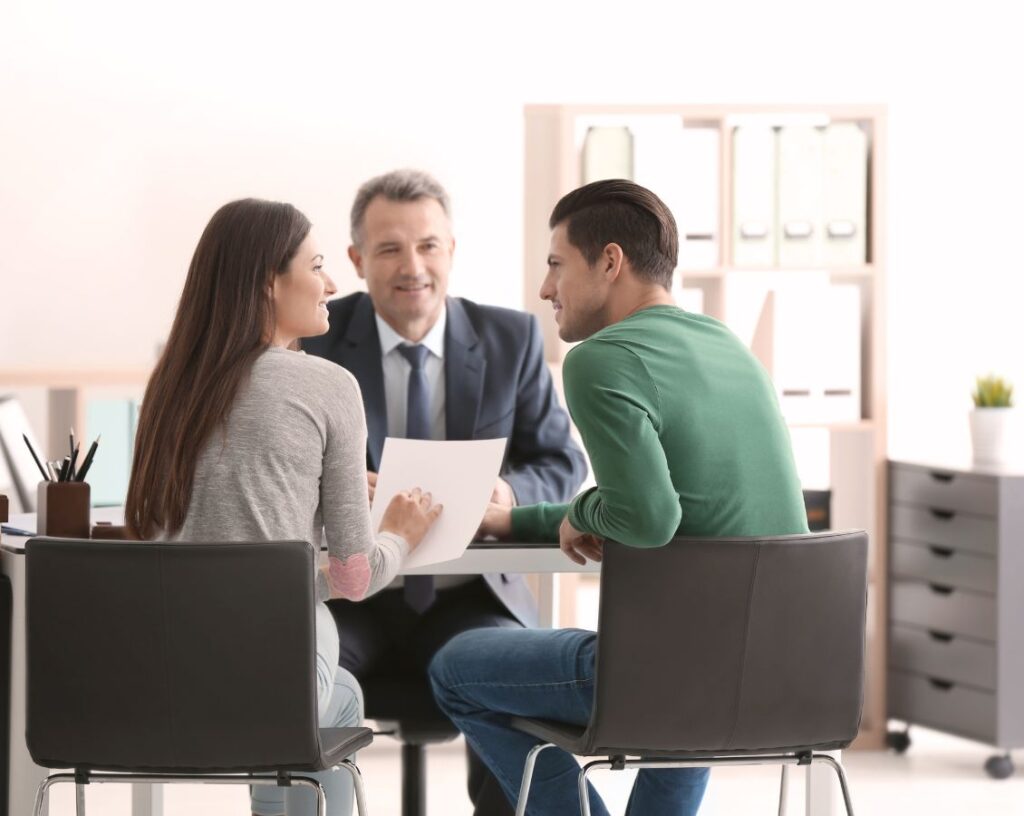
(242, 438)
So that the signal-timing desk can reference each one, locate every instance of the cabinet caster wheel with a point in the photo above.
(999, 767)
(899, 741)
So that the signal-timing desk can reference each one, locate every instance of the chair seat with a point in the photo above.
(574, 739)
(565, 735)
(409, 703)
(338, 743)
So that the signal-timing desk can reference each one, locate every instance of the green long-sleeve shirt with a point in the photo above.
(684, 435)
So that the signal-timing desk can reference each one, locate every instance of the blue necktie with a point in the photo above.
(419, 589)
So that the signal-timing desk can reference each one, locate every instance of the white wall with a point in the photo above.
(122, 128)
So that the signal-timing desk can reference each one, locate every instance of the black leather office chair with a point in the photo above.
(142, 665)
(722, 652)
(404, 708)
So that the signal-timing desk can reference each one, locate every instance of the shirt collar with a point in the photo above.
(434, 341)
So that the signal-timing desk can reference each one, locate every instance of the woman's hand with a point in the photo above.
(410, 514)
(497, 521)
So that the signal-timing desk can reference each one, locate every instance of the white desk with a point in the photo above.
(147, 800)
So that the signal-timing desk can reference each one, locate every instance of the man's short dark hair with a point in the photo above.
(620, 212)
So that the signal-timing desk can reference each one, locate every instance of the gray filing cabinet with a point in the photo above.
(956, 604)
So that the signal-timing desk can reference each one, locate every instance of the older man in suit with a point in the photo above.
(436, 367)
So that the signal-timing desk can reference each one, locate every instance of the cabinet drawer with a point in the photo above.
(943, 656)
(925, 701)
(946, 490)
(956, 611)
(943, 565)
(946, 527)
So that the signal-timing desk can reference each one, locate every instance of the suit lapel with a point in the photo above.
(360, 354)
(464, 367)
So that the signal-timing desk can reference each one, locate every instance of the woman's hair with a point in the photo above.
(225, 320)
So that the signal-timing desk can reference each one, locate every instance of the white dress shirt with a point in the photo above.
(396, 376)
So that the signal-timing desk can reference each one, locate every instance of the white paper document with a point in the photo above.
(460, 475)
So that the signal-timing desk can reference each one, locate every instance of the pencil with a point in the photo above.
(74, 458)
(88, 460)
(36, 458)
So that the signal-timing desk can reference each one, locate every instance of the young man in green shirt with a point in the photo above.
(685, 437)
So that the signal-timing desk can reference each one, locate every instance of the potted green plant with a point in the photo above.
(992, 420)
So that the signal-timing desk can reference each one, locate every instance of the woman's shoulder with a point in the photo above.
(304, 373)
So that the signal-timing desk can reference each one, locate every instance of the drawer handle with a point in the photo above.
(942, 477)
(943, 515)
(941, 552)
(942, 637)
(941, 589)
(941, 685)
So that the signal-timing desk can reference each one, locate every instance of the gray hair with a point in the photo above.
(398, 185)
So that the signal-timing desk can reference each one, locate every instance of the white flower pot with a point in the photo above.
(995, 435)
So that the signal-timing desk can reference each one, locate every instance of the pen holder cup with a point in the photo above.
(63, 509)
(106, 531)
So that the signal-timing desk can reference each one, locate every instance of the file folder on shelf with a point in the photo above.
(809, 340)
(844, 209)
(658, 161)
(753, 239)
(800, 158)
(698, 205)
(607, 153)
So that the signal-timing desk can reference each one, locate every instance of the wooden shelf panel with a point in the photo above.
(72, 378)
(866, 272)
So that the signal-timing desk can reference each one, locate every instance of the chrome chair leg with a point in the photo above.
(783, 790)
(357, 784)
(829, 760)
(79, 799)
(524, 787)
(321, 798)
(44, 788)
(584, 789)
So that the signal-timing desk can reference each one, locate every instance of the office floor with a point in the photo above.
(939, 776)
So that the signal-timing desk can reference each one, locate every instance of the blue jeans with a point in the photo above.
(482, 676)
(339, 705)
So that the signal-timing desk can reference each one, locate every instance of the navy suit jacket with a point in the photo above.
(496, 385)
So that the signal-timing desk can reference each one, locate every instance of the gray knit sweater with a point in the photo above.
(290, 464)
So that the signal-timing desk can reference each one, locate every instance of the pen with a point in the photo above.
(88, 460)
(71, 450)
(36, 458)
(64, 469)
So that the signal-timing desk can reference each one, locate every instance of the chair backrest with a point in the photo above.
(171, 656)
(731, 645)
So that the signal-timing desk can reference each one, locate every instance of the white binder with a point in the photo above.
(753, 216)
(658, 162)
(607, 154)
(800, 196)
(809, 340)
(844, 208)
(698, 214)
